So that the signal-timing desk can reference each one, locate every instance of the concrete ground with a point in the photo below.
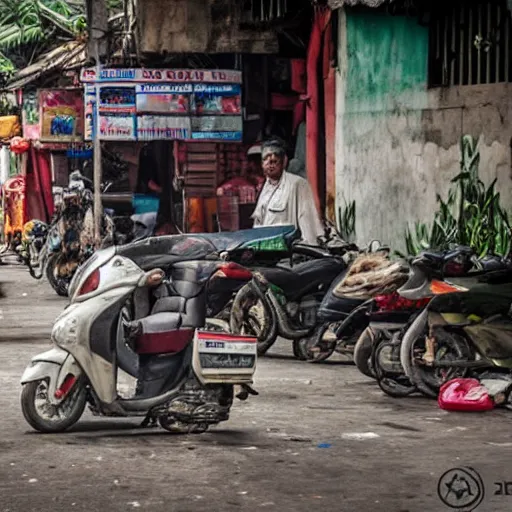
(318, 437)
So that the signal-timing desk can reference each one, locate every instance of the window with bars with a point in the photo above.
(470, 43)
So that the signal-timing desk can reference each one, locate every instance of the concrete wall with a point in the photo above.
(397, 142)
(200, 26)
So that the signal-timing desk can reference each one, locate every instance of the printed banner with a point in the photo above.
(151, 127)
(61, 115)
(116, 98)
(171, 99)
(217, 99)
(117, 127)
(207, 108)
(90, 75)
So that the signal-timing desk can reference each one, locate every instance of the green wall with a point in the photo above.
(387, 62)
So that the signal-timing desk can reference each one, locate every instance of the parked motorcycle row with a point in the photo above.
(57, 249)
(188, 315)
(450, 320)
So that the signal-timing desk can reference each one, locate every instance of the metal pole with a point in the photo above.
(98, 208)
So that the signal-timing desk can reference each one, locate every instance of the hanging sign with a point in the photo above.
(144, 105)
(61, 115)
(90, 75)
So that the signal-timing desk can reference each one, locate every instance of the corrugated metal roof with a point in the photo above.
(69, 55)
(336, 4)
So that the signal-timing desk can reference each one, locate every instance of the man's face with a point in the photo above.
(273, 166)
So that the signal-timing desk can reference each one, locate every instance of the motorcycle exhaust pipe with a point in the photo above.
(284, 327)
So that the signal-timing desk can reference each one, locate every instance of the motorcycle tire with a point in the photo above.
(421, 378)
(40, 257)
(262, 324)
(76, 400)
(393, 387)
(59, 284)
(363, 353)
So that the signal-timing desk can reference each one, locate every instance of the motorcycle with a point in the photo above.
(283, 300)
(33, 247)
(147, 299)
(461, 331)
(380, 344)
(375, 353)
(343, 313)
(72, 242)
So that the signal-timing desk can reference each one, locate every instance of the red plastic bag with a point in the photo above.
(464, 395)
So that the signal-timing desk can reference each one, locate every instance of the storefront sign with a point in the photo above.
(164, 104)
(61, 115)
(90, 75)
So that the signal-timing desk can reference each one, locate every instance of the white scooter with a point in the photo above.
(140, 308)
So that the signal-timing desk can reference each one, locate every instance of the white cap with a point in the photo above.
(254, 150)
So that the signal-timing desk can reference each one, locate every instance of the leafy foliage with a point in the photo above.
(347, 220)
(472, 214)
(29, 28)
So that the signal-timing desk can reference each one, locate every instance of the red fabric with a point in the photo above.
(314, 165)
(169, 342)
(282, 101)
(234, 338)
(39, 186)
(299, 85)
(239, 186)
(299, 78)
(329, 75)
(464, 395)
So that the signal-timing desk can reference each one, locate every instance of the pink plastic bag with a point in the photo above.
(464, 395)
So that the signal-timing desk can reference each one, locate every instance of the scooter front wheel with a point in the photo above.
(46, 417)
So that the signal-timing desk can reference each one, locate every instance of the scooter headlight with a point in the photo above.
(65, 329)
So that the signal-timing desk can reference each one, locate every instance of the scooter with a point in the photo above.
(375, 353)
(431, 274)
(148, 299)
(459, 332)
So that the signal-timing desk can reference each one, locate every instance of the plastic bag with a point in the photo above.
(464, 395)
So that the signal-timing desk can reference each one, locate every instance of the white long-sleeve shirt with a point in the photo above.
(289, 202)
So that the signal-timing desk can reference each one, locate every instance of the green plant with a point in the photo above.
(29, 28)
(472, 215)
(347, 220)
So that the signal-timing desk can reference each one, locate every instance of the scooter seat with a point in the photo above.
(170, 326)
(304, 277)
(161, 333)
